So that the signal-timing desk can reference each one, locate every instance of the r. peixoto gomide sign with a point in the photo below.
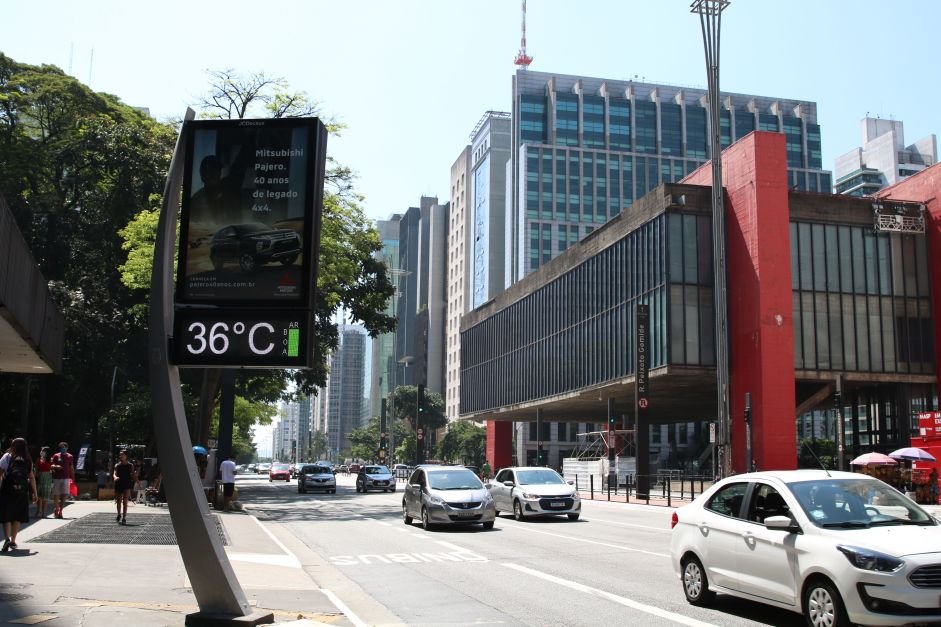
(249, 242)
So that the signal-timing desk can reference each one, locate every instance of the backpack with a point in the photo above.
(16, 478)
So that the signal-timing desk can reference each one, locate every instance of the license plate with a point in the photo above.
(557, 504)
(466, 514)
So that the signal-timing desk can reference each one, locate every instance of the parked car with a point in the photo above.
(279, 471)
(839, 548)
(375, 478)
(447, 495)
(316, 477)
(534, 492)
(252, 245)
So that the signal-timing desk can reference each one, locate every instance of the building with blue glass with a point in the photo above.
(586, 148)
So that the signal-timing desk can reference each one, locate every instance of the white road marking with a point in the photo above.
(650, 609)
(289, 555)
(529, 529)
(343, 608)
(635, 526)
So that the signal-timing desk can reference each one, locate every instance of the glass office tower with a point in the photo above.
(587, 148)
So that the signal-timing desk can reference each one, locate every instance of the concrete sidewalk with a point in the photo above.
(97, 579)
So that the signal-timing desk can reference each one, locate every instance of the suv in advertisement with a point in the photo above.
(252, 245)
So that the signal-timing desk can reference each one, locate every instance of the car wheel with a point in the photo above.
(217, 263)
(405, 516)
(517, 511)
(247, 262)
(695, 583)
(823, 606)
(573, 516)
(488, 525)
(425, 519)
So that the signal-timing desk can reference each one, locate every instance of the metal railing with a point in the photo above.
(663, 488)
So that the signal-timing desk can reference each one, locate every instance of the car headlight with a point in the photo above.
(866, 559)
(435, 500)
(531, 496)
(575, 496)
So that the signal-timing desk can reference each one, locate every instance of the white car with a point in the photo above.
(840, 548)
(534, 492)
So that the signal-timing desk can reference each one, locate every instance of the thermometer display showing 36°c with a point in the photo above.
(247, 339)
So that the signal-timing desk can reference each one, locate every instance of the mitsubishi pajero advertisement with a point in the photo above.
(248, 215)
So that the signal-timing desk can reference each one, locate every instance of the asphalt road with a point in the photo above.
(609, 567)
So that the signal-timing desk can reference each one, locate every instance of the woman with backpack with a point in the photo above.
(17, 488)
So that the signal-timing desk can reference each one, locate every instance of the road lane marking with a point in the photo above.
(290, 557)
(650, 609)
(288, 561)
(529, 529)
(633, 525)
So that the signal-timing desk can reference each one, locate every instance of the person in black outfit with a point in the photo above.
(123, 482)
(17, 488)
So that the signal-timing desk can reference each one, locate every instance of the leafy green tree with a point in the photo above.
(351, 277)
(405, 402)
(74, 166)
(318, 445)
(364, 442)
(464, 442)
(825, 450)
(246, 415)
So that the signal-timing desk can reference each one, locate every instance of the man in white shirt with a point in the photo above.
(227, 472)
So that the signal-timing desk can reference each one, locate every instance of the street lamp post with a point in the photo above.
(710, 17)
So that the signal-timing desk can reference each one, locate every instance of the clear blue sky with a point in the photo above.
(411, 78)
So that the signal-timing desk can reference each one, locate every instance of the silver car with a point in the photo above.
(446, 495)
(316, 477)
(534, 492)
(372, 477)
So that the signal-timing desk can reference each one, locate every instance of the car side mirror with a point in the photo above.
(570, 482)
(509, 484)
(784, 523)
(417, 486)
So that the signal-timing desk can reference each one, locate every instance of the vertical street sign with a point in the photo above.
(641, 394)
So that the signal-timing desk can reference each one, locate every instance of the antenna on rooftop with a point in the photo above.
(522, 59)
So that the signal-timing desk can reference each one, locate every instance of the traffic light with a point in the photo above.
(421, 398)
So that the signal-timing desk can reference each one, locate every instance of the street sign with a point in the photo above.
(929, 424)
(712, 433)
(643, 403)
(421, 434)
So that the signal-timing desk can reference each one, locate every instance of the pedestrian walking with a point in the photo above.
(123, 482)
(63, 472)
(227, 472)
(43, 482)
(485, 471)
(17, 489)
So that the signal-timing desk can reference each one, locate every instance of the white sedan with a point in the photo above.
(840, 548)
(534, 492)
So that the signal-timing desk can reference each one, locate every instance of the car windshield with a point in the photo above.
(376, 470)
(462, 479)
(538, 476)
(316, 470)
(856, 504)
(280, 467)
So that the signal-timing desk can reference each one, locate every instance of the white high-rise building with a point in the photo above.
(883, 159)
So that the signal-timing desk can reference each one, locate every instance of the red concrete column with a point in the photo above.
(925, 187)
(499, 444)
(761, 324)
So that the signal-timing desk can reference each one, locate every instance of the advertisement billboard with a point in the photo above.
(251, 208)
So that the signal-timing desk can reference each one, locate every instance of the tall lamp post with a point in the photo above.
(710, 18)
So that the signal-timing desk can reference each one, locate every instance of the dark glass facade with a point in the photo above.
(861, 300)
